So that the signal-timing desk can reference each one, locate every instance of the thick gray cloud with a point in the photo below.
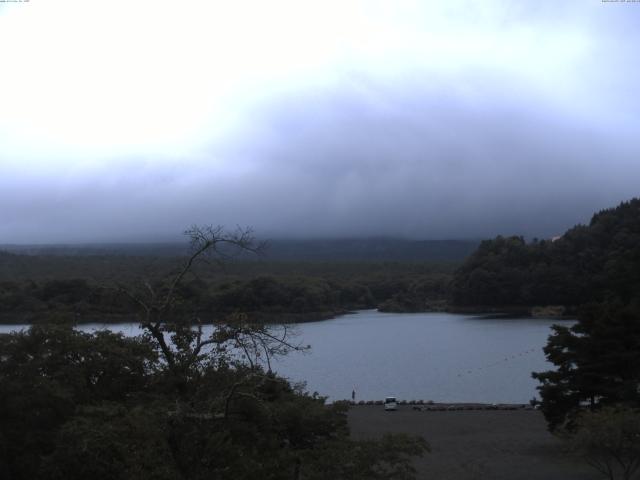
(494, 140)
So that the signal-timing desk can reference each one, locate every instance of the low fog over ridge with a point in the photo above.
(461, 122)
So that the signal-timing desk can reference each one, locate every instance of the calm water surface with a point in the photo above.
(430, 356)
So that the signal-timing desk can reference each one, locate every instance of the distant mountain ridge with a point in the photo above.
(371, 249)
(354, 249)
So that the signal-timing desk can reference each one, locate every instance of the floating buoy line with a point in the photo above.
(506, 359)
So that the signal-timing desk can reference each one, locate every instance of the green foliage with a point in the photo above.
(588, 263)
(267, 291)
(419, 295)
(173, 404)
(597, 360)
(386, 459)
(609, 441)
(108, 441)
(77, 406)
(47, 372)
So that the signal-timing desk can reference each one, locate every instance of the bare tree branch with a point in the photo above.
(187, 347)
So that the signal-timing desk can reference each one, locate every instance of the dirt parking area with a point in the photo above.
(477, 444)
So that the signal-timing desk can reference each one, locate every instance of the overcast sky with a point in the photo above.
(131, 120)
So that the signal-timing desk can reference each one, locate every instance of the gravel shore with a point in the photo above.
(476, 444)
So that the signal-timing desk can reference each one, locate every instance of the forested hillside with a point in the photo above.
(289, 250)
(588, 263)
(54, 288)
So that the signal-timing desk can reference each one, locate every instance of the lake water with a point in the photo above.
(430, 356)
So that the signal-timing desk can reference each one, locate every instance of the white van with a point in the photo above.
(390, 403)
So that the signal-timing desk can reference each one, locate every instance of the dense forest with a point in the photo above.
(78, 405)
(588, 263)
(366, 249)
(591, 273)
(53, 288)
(172, 403)
(593, 270)
(101, 406)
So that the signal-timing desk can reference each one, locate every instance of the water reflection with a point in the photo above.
(430, 356)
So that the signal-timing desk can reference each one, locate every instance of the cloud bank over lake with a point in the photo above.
(418, 119)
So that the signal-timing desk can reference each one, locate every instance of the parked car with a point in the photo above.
(390, 403)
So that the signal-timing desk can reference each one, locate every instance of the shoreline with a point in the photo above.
(267, 318)
(430, 406)
(276, 318)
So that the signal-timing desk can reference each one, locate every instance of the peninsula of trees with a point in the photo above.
(589, 263)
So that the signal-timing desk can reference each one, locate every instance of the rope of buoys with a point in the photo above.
(499, 362)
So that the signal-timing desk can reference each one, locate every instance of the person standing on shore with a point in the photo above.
(353, 395)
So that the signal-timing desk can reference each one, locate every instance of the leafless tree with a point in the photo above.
(181, 341)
